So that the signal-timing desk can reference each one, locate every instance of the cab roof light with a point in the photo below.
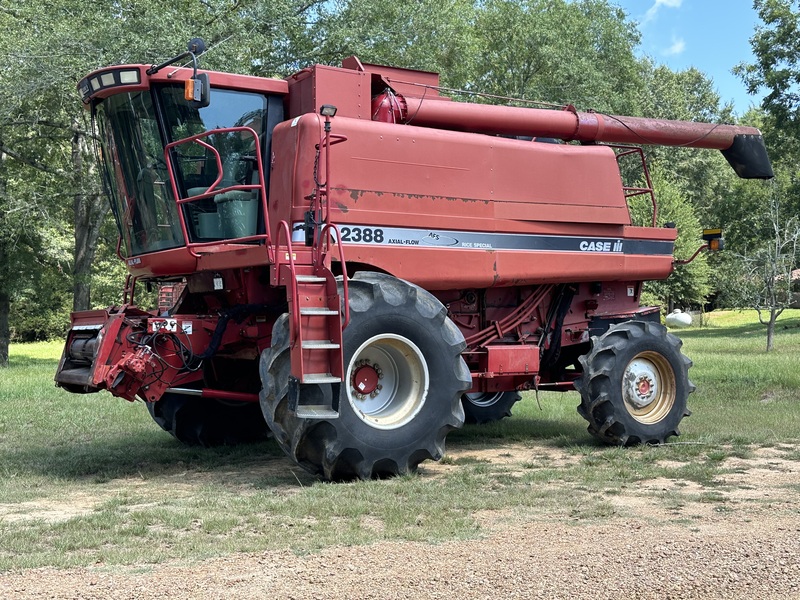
(95, 83)
(130, 77)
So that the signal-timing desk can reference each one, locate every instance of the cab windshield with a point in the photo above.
(131, 148)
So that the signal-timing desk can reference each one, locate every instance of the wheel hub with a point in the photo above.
(641, 383)
(366, 379)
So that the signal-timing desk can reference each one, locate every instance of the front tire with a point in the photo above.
(207, 422)
(635, 384)
(401, 395)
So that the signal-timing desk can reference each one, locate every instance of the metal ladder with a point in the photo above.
(316, 351)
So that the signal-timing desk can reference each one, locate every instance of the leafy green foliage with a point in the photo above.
(41, 299)
(776, 45)
(687, 95)
(426, 34)
(688, 285)
(558, 51)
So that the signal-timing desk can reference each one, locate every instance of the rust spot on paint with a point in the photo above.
(358, 194)
(342, 207)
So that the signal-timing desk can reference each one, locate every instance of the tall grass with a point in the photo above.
(90, 479)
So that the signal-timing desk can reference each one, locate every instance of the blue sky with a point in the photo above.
(710, 35)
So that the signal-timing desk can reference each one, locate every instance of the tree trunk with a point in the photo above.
(5, 331)
(90, 209)
(773, 316)
(5, 298)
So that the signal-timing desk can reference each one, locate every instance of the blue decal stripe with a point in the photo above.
(472, 240)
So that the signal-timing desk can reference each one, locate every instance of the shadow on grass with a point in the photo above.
(746, 329)
(523, 429)
(18, 361)
(150, 456)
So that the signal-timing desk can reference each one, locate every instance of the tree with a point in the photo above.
(579, 53)
(776, 46)
(763, 275)
(45, 145)
(33, 246)
(5, 274)
(433, 35)
(768, 231)
(688, 95)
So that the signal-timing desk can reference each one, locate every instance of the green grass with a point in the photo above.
(745, 395)
(91, 480)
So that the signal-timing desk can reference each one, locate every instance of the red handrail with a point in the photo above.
(260, 186)
(630, 192)
(345, 286)
(283, 226)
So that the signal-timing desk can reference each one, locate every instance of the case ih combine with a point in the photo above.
(364, 262)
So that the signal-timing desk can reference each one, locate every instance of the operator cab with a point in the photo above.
(181, 172)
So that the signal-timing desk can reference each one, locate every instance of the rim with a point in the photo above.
(484, 399)
(387, 381)
(648, 387)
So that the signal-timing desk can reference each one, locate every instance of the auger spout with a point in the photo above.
(743, 147)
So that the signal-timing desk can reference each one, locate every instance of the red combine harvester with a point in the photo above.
(360, 263)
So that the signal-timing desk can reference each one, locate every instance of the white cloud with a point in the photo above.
(677, 47)
(653, 10)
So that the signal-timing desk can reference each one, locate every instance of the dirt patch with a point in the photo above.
(51, 511)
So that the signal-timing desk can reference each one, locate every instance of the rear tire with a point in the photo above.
(207, 422)
(401, 396)
(635, 384)
(488, 407)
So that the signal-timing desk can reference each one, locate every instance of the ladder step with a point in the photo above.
(310, 279)
(318, 311)
(315, 411)
(319, 345)
(320, 378)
